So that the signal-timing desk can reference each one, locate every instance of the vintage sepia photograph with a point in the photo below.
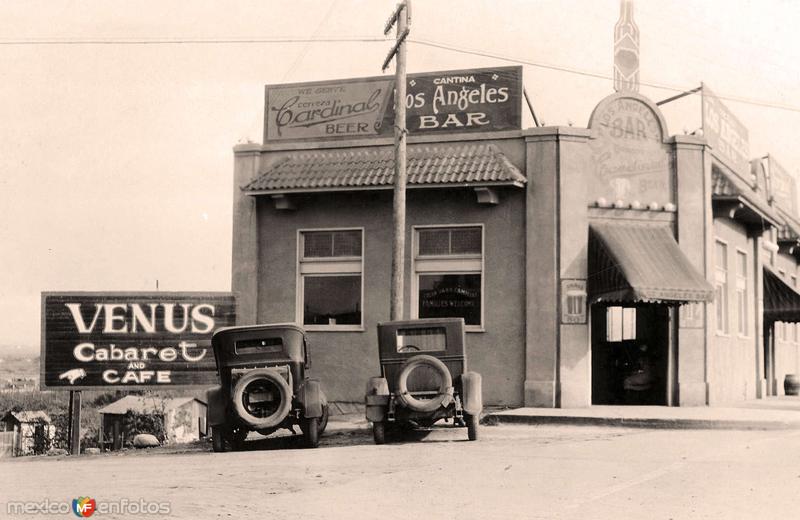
(399, 259)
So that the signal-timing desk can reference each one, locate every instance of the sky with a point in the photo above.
(116, 157)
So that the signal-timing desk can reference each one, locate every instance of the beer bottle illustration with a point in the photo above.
(626, 50)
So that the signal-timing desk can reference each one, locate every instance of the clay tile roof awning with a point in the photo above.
(427, 166)
(641, 263)
(781, 301)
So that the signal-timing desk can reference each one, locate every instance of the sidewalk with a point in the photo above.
(773, 413)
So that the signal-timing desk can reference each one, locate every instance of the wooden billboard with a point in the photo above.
(131, 340)
(477, 100)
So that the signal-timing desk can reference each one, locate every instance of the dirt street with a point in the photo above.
(512, 472)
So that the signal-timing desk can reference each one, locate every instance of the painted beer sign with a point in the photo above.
(437, 102)
(631, 161)
(130, 340)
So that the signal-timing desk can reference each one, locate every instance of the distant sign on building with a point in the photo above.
(476, 100)
(726, 135)
(130, 340)
(784, 187)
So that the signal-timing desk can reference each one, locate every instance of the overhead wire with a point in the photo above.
(370, 39)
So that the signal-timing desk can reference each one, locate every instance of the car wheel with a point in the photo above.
(218, 439)
(323, 421)
(472, 426)
(379, 432)
(311, 432)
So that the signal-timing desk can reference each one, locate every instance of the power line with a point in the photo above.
(307, 46)
(597, 75)
(371, 39)
(179, 41)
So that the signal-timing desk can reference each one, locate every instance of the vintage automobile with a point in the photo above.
(263, 385)
(424, 378)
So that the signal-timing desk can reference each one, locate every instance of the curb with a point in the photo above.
(653, 423)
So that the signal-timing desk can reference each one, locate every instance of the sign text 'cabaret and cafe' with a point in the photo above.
(130, 339)
(436, 102)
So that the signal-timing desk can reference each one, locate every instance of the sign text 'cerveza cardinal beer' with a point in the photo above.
(478, 100)
(130, 339)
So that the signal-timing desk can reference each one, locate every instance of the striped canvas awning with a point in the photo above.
(781, 301)
(373, 168)
(630, 262)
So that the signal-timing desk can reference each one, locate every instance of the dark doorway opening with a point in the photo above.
(631, 354)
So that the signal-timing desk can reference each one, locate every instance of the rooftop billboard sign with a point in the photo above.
(726, 135)
(478, 100)
(130, 340)
(784, 187)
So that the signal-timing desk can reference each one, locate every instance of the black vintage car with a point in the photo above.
(263, 385)
(424, 378)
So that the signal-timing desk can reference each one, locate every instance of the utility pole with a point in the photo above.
(402, 18)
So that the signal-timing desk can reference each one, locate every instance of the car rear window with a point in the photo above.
(428, 339)
(260, 346)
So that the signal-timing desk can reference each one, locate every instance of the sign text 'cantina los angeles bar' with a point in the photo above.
(613, 264)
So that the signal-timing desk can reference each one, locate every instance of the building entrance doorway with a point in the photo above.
(632, 354)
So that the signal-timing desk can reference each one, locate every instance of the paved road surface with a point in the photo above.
(512, 472)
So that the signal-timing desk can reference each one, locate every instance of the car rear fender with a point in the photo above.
(377, 399)
(472, 400)
(216, 406)
(311, 398)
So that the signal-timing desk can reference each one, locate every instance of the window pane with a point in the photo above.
(721, 301)
(741, 264)
(465, 241)
(332, 300)
(260, 346)
(741, 303)
(329, 244)
(434, 242)
(614, 324)
(347, 243)
(420, 340)
(451, 295)
(317, 244)
(721, 253)
(629, 323)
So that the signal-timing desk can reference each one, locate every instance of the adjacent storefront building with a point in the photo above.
(613, 264)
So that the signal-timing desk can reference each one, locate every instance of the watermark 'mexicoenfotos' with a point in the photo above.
(84, 507)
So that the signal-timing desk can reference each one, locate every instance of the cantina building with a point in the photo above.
(612, 264)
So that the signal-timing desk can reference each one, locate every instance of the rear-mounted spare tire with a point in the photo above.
(262, 398)
(445, 390)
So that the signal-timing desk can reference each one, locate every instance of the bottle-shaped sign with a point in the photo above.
(626, 50)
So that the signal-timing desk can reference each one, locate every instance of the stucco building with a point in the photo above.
(577, 256)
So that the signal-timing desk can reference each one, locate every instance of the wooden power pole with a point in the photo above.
(402, 19)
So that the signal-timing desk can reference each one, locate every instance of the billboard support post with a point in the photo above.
(75, 422)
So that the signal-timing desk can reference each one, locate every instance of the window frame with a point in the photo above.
(442, 264)
(721, 278)
(743, 288)
(327, 266)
